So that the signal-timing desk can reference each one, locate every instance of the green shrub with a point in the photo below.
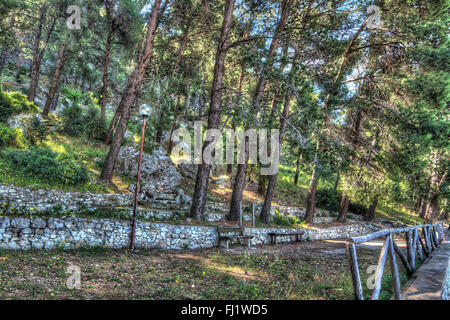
(327, 199)
(74, 95)
(46, 165)
(35, 131)
(357, 208)
(95, 126)
(6, 106)
(12, 103)
(72, 173)
(285, 221)
(73, 120)
(11, 137)
(6, 136)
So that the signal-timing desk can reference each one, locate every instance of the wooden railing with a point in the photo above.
(418, 244)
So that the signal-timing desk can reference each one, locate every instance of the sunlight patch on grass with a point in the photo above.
(399, 214)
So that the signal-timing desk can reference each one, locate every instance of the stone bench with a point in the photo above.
(229, 234)
(274, 235)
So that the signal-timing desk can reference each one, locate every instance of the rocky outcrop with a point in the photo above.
(188, 170)
(158, 174)
(22, 121)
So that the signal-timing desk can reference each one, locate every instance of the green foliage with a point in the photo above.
(95, 126)
(35, 131)
(74, 95)
(285, 220)
(11, 137)
(6, 136)
(72, 173)
(73, 120)
(46, 165)
(12, 103)
(357, 208)
(328, 199)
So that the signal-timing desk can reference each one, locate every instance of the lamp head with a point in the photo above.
(145, 110)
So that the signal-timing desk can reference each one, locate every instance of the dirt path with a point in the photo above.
(298, 271)
(332, 249)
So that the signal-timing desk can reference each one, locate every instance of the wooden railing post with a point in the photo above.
(354, 268)
(424, 242)
(404, 259)
(430, 239)
(240, 214)
(413, 250)
(434, 236)
(420, 247)
(409, 249)
(394, 270)
(416, 247)
(380, 269)
(253, 214)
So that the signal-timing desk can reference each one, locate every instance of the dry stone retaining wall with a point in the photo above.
(340, 232)
(48, 233)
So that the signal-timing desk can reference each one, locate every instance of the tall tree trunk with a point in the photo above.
(435, 188)
(236, 107)
(311, 199)
(2, 61)
(174, 125)
(202, 98)
(19, 64)
(159, 128)
(203, 171)
(118, 113)
(176, 119)
(370, 215)
(54, 102)
(433, 208)
(262, 179)
(130, 93)
(343, 209)
(113, 125)
(443, 215)
(336, 183)
(238, 187)
(265, 211)
(422, 207)
(4, 50)
(34, 64)
(109, 38)
(297, 166)
(55, 80)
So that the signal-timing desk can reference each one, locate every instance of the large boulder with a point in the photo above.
(22, 121)
(158, 174)
(188, 170)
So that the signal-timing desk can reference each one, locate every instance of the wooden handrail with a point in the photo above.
(432, 234)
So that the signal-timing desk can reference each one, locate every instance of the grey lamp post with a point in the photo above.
(144, 111)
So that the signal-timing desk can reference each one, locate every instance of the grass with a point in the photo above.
(286, 190)
(208, 274)
(85, 152)
(398, 213)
